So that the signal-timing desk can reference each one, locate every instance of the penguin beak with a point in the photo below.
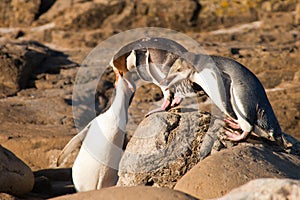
(128, 79)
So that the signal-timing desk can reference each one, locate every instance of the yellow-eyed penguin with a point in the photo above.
(236, 91)
(152, 58)
(96, 165)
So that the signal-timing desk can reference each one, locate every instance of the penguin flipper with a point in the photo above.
(73, 144)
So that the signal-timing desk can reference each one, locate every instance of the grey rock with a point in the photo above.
(163, 148)
(266, 189)
(15, 176)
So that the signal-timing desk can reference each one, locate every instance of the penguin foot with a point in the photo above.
(163, 107)
(232, 123)
(176, 101)
(236, 136)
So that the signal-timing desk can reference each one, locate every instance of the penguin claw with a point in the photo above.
(235, 135)
(232, 123)
(176, 101)
(163, 107)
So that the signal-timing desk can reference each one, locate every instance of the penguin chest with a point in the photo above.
(240, 111)
(104, 143)
(209, 81)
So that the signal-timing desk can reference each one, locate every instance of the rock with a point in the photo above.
(52, 182)
(16, 13)
(4, 196)
(230, 168)
(81, 15)
(138, 192)
(21, 60)
(163, 148)
(15, 176)
(18, 61)
(266, 189)
(297, 15)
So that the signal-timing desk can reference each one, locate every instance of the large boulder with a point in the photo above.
(163, 148)
(15, 176)
(230, 168)
(138, 192)
(266, 189)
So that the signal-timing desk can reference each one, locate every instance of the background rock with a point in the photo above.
(139, 192)
(21, 60)
(223, 171)
(15, 176)
(266, 189)
(18, 13)
(262, 35)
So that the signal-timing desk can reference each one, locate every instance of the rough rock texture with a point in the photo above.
(223, 171)
(266, 189)
(37, 121)
(126, 193)
(170, 146)
(18, 12)
(21, 60)
(15, 176)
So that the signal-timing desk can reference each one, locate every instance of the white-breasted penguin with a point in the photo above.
(236, 91)
(96, 165)
(152, 58)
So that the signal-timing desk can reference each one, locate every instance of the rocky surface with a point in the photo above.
(41, 42)
(16, 177)
(171, 146)
(138, 192)
(266, 189)
(220, 173)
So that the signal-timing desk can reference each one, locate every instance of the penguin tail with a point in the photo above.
(73, 144)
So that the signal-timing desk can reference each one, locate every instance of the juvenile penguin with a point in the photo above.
(152, 58)
(236, 91)
(96, 165)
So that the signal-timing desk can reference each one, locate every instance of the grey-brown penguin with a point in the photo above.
(152, 58)
(236, 91)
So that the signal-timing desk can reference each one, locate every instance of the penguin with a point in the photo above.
(236, 91)
(96, 165)
(152, 58)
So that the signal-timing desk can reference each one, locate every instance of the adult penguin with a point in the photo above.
(236, 91)
(96, 165)
(152, 58)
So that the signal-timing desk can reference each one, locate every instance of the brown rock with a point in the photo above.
(138, 192)
(20, 13)
(15, 176)
(20, 60)
(297, 16)
(218, 174)
(266, 189)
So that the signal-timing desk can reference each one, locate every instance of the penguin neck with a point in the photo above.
(119, 108)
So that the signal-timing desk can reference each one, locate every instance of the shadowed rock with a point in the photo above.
(16, 177)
